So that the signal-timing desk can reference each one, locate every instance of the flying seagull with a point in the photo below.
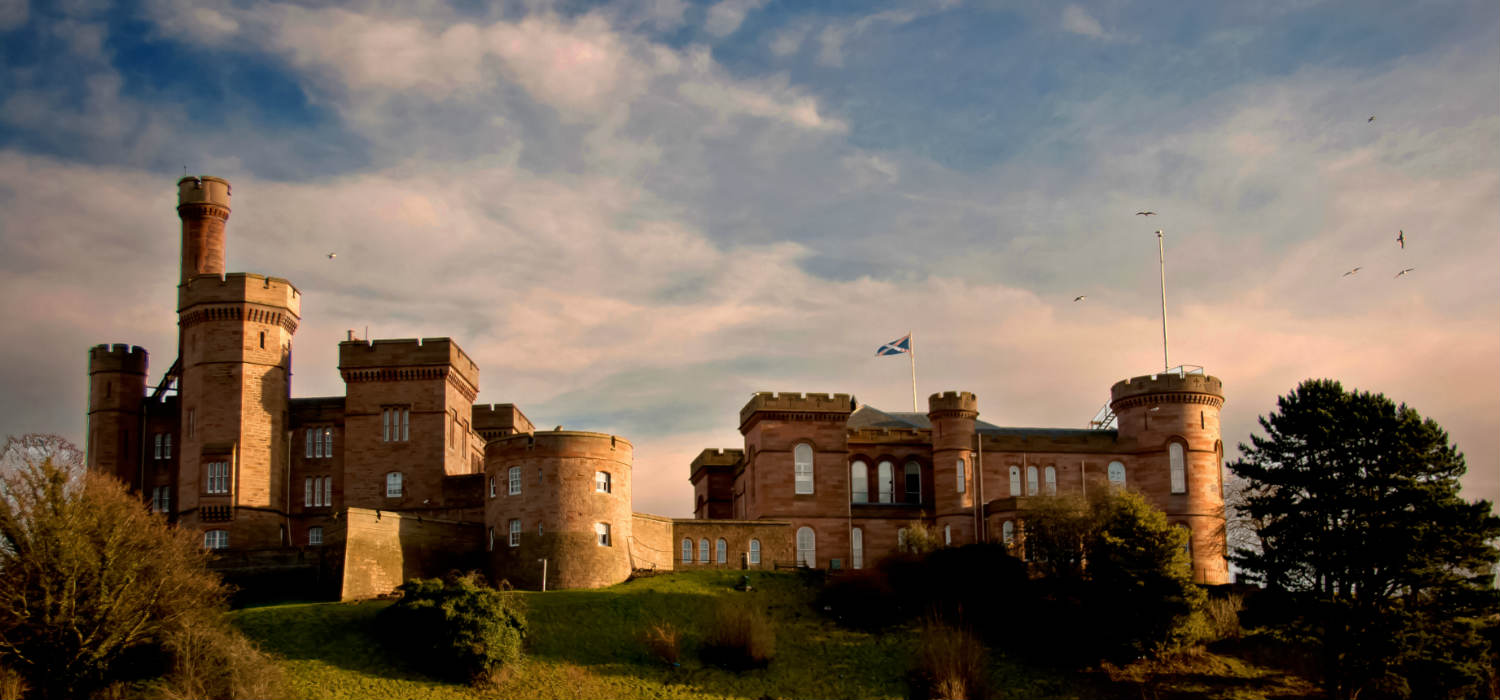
(1370, 120)
(1409, 269)
(1145, 213)
(332, 255)
(1401, 238)
(1356, 269)
(1080, 297)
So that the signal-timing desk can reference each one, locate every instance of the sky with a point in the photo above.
(634, 214)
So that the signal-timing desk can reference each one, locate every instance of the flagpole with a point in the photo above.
(1161, 257)
(912, 344)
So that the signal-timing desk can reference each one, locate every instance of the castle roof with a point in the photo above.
(867, 416)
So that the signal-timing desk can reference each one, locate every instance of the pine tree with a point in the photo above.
(1359, 527)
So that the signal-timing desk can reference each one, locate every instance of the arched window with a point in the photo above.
(1031, 483)
(687, 550)
(754, 551)
(1179, 467)
(807, 547)
(884, 475)
(1015, 480)
(393, 485)
(703, 551)
(1008, 532)
(514, 475)
(859, 483)
(602, 530)
(1117, 473)
(857, 548)
(913, 482)
(802, 454)
(721, 551)
(963, 478)
(1051, 476)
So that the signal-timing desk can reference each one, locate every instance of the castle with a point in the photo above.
(405, 476)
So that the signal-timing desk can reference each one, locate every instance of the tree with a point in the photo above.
(88, 577)
(1359, 528)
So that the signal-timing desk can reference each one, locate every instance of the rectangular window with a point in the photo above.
(328, 442)
(601, 482)
(315, 536)
(327, 490)
(515, 481)
(161, 499)
(157, 453)
(602, 531)
(395, 423)
(311, 438)
(515, 533)
(218, 478)
(216, 539)
(492, 487)
(393, 485)
(963, 479)
(166, 446)
(307, 492)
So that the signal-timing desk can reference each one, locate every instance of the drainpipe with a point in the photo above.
(286, 512)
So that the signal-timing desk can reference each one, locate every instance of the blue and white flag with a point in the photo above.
(896, 347)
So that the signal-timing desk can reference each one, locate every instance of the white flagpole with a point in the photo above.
(911, 344)
(1161, 257)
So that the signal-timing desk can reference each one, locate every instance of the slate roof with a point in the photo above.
(870, 417)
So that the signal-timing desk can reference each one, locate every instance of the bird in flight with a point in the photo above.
(332, 255)
(1145, 213)
(1371, 119)
(1409, 269)
(1080, 297)
(1401, 239)
(1356, 269)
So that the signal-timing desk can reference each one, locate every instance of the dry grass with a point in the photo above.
(1223, 615)
(950, 663)
(663, 640)
(739, 638)
(1197, 672)
(12, 686)
(211, 661)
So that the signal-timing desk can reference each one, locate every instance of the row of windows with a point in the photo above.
(219, 539)
(603, 482)
(395, 422)
(319, 443)
(886, 482)
(720, 552)
(317, 491)
(218, 478)
(161, 499)
(163, 446)
(1115, 472)
(601, 534)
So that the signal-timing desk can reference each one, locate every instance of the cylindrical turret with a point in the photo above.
(952, 415)
(117, 386)
(568, 495)
(1170, 422)
(203, 206)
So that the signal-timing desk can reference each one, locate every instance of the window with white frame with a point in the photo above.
(515, 533)
(218, 478)
(1051, 480)
(491, 532)
(395, 422)
(884, 473)
(317, 491)
(1008, 532)
(161, 499)
(703, 551)
(963, 477)
(1178, 462)
(913, 482)
(601, 530)
(492, 487)
(807, 547)
(857, 548)
(721, 551)
(601, 482)
(859, 483)
(513, 477)
(802, 455)
(327, 490)
(1116, 473)
(687, 550)
(1031, 481)
(754, 551)
(393, 485)
(216, 539)
(1015, 480)
(157, 441)
(947, 535)
(166, 446)
(315, 536)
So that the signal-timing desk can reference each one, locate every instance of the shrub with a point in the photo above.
(459, 628)
(950, 664)
(93, 582)
(1223, 615)
(213, 660)
(739, 638)
(12, 685)
(860, 599)
(663, 642)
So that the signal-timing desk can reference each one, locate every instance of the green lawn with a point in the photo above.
(585, 644)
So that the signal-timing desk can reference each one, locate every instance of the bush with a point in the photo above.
(740, 638)
(12, 685)
(950, 664)
(459, 628)
(663, 642)
(93, 583)
(213, 660)
(861, 599)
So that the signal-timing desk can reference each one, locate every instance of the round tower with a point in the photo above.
(117, 387)
(563, 496)
(1169, 424)
(952, 415)
(203, 206)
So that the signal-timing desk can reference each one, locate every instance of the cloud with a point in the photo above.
(13, 13)
(1077, 20)
(725, 17)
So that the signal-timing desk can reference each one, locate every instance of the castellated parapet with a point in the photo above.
(716, 457)
(498, 420)
(957, 401)
(129, 359)
(792, 402)
(404, 358)
(117, 384)
(570, 501)
(1166, 388)
(235, 296)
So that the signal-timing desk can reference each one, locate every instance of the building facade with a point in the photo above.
(405, 476)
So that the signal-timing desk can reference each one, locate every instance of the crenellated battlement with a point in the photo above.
(762, 401)
(716, 457)
(357, 356)
(239, 288)
(499, 420)
(961, 401)
(1187, 388)
(561, 443)
(129, 359)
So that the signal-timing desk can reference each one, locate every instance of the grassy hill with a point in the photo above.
(587, 644)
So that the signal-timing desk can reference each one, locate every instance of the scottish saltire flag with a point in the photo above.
(896, 347)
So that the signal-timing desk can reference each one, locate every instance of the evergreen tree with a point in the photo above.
(1359, 528)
